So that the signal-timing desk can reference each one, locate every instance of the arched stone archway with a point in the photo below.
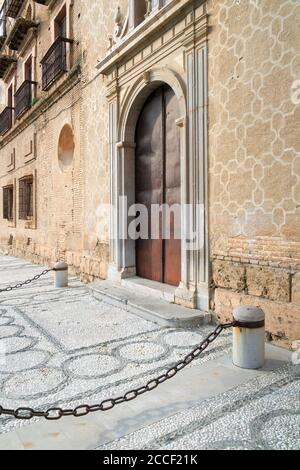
(131, 78)
(122, 250)
(138, 94)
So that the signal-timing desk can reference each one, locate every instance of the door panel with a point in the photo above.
(158, 182)
(172, 264)
(149, 183)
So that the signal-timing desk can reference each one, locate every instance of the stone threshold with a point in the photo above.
(150, 301)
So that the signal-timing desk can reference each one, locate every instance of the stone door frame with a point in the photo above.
(127, 93)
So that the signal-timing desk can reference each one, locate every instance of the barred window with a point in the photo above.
(26, 198)
(8, 201)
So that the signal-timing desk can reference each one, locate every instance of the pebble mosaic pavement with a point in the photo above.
(64, 348)
(263, 414)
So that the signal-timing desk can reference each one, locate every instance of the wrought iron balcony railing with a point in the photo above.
(54, 63)
(12, 7)
(23, 98)
(6, 120)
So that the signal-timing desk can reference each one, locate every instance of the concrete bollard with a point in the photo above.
(249, 338)
(61, 275)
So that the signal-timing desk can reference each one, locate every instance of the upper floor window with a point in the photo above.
(10, 96)
(26, 198)
(28, 69)
(6, 117)
(25, 93)
(8, 202)
(60, 24)
(28, 15)
(2, 23)
(57, 60)
(139, 10)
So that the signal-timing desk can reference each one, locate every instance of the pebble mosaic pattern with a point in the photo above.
(263, 414)
(64, 348)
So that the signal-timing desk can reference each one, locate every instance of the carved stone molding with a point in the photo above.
(169, 47)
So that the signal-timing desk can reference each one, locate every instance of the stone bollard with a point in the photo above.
(61, 275)
(249, 338)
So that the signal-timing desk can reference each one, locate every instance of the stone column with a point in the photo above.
(126, 192)
(113, 104)
(196, 66)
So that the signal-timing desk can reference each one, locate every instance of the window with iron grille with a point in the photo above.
(8, 202)
(26, 198)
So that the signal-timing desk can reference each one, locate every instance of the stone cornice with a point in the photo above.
(43, 105)
(144, 33)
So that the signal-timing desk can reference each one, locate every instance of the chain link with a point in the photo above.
(25, 283)
(53, 414)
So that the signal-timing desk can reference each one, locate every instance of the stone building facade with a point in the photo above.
(232, 69)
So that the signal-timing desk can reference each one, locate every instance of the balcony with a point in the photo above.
(12, 7)
(6, 120)
(23, 98)
(54, 63)
(19, 32)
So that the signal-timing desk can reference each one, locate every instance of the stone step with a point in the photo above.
(150, 288)
(149, 307)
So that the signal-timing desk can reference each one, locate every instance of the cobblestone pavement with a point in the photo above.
(64, 348)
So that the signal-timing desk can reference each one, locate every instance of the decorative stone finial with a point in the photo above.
(149, 7)
(118, 23)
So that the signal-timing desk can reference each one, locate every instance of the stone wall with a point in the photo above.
(254, 155)
(95, 44)
(31, 148)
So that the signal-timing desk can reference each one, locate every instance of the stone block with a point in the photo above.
(229, 275)
(268, 283)
(282, 319)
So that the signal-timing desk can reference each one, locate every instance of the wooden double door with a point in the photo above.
(158, 182)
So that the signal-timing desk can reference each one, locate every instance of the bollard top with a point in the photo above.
(61, 266)
(249, 314)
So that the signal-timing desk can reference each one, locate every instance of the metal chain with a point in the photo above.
(53, 414)
(25, 283)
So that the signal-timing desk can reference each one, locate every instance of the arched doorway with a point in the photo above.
(158, 182)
